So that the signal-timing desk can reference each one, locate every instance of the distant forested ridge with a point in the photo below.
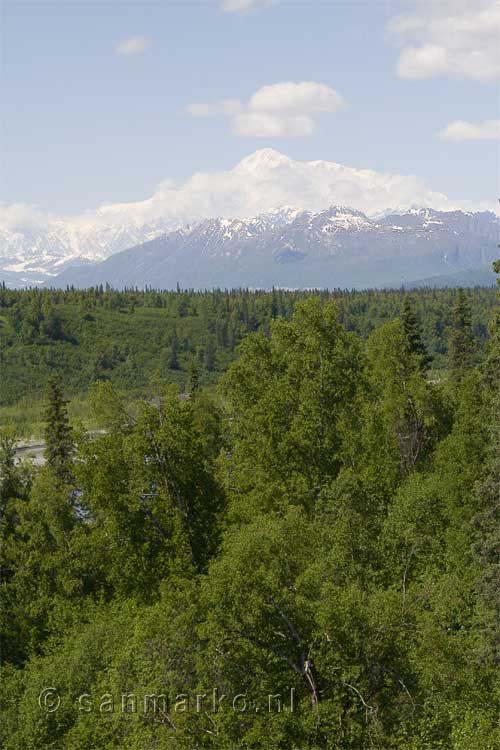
(301, 552)
(102, 334)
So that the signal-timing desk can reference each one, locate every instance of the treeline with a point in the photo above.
(102, 334)
(320, 535)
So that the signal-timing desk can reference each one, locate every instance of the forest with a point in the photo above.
(284, 535)
(125, 337)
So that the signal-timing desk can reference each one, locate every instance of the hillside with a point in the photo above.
(338, 247)
(126, 337)
(311, 547)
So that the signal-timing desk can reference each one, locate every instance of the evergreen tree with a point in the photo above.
(461, 341)
(8, 474)
(193, 378)
(413, 334)
(44, 565)
(58, 433)
(173, 361)
(209, 355)
(52, 324)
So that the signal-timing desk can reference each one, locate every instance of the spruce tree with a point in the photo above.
(7, 466)
(461, 339)
(173, 362)
(209, 355)
(58, 433)
(413, 335)
(193, 378)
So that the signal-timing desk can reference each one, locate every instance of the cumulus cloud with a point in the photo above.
(266, 125)
(134, 45)
(22, 216)
(263, 180)
(243, 6)
(458, 38)
(457, 131)
(276, 110)
(291, 97)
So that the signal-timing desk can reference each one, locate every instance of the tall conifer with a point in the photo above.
(413, 335)
(461, 341)
(58, 433)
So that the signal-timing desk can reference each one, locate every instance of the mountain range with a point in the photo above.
(178, 235)
(34, 254)
(289, 247)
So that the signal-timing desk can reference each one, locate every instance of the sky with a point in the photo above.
(104, 101)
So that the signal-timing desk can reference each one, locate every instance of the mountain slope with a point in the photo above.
(35, 245)
(339, 247)
(31, 254)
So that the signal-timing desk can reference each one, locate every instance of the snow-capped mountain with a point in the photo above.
(34, 254)
(35, 246)
(337, 247)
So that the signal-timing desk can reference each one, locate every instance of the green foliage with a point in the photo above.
(461, 346)
(305, 556)
(289, 398)
(413, 334)
(58, 434)
(96, 334)
(404, 410)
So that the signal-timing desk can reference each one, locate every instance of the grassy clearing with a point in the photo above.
(27, 416)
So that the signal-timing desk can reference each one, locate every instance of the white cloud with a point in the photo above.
(268, 179)
(301, 97)
(264, 180)
(276, 110)
(260, 182)
(457, 38)
(22, 215)
(243, 6)
(134, 45)
(264, 125)
(489, 130)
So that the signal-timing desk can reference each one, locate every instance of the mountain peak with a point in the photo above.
(263, 158)
(338, 246)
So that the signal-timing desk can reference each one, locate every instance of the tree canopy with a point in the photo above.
(304, 556)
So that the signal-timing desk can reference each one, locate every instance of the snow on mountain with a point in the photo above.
(264, 188)
(37, 253)
(338, 246)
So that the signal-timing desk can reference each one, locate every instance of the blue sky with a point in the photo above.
(96, 95)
